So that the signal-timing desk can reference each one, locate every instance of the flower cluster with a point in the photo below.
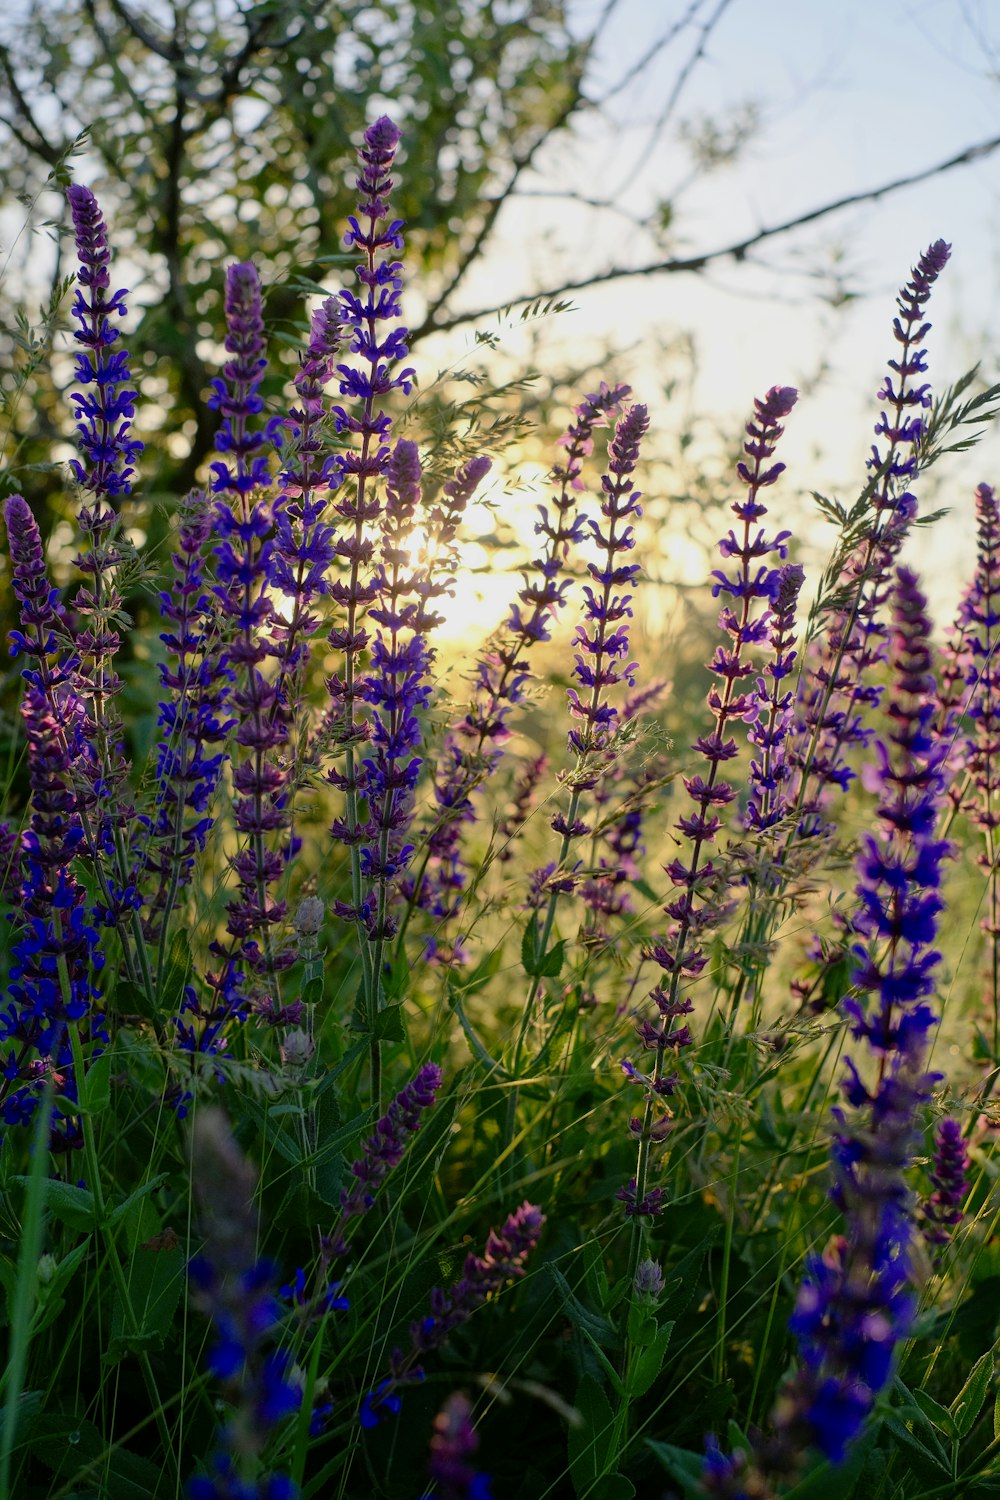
(192, 719)
(483, 1276)
(383, 1151)
(838, 689)
(774, 704)
(855, 1304)
(103, 414)
(236, 1289)
(752, 586)
(942, 1210)
(453, 1450)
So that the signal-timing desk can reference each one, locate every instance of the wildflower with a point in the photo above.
(104, 415)
(855, 1303)
(384, 1150)
(483, 1276)
(837, 688)
(942, 1211)
(236, 1289)
(774, 710)
(699, 903)
(453, 1449)
(56, 952)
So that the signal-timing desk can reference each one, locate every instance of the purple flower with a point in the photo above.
(483, 1276)
(774, 712)
(383, 1151)
(103, 414)
(699, 903)
(43, 618)
(236, 1289)
(453, 1450)
(942, 1210)
(855, 1303)
(193, 719)
(55, 930)
(837, 688)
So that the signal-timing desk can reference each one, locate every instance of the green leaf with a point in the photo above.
(971, 1398)
(835, 1481)
(592, 1441)
(71, 1205)
(389, 1025)
(645, 1367)
(685, 1468)
(935, 1413)
(95, 1086)
(155, 1282)
(925, 1464)
(550, 964)
(121, 1210)
(176, 972)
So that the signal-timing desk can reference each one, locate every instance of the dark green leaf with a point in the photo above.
(972, 1397)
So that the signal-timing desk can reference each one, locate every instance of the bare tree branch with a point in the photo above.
(736, 251)
(41, 146)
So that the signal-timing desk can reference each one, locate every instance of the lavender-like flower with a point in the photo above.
(699, 903)
(483, 1276)
(192, 720)
(56, 951)
(383, 1151)
(242, 567)
(775, 712)
(837, 688)
(975, 760)
(472, 749)
(236, 1289)
(453, 1449)
(43, 618)
(104, 414)
(942, 1210)
(855, 1304)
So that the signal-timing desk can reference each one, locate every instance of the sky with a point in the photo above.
(850, 96)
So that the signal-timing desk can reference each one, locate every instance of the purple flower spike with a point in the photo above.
(601, 658)
(483, 1276)
(42, 615)
(699, 903)
(237, 1290)
(453, 1449)
(236, 394)
(855, 1303)
(383, 1151)
(774, 710)
(942, 1211)
(103, 415)
(836, 691)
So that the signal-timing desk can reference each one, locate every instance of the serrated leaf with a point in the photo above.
(971, 1398)
(645, 1367)
(70, 1204)
(389, 1025)
(155, 1282)
(935, 1413)
(925, 1464)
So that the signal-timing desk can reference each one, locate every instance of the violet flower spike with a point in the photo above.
(699, 903)
(453, 1450)
(55, 931)
(383, 1151)
(941, 1212)
(484, 1276)
(236, 1289)
(837, 689)
(104, 415)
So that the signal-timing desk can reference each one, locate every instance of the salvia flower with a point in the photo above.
(104, 410)
(56, 951)
(453, 1450)
(483, 1277)
(774, 705)
(193, 720)
(855, 1303)
(837, 689)
(942, 1210)
(383, 1151)
(751, 586)
(237, 1290)
(42, 616)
